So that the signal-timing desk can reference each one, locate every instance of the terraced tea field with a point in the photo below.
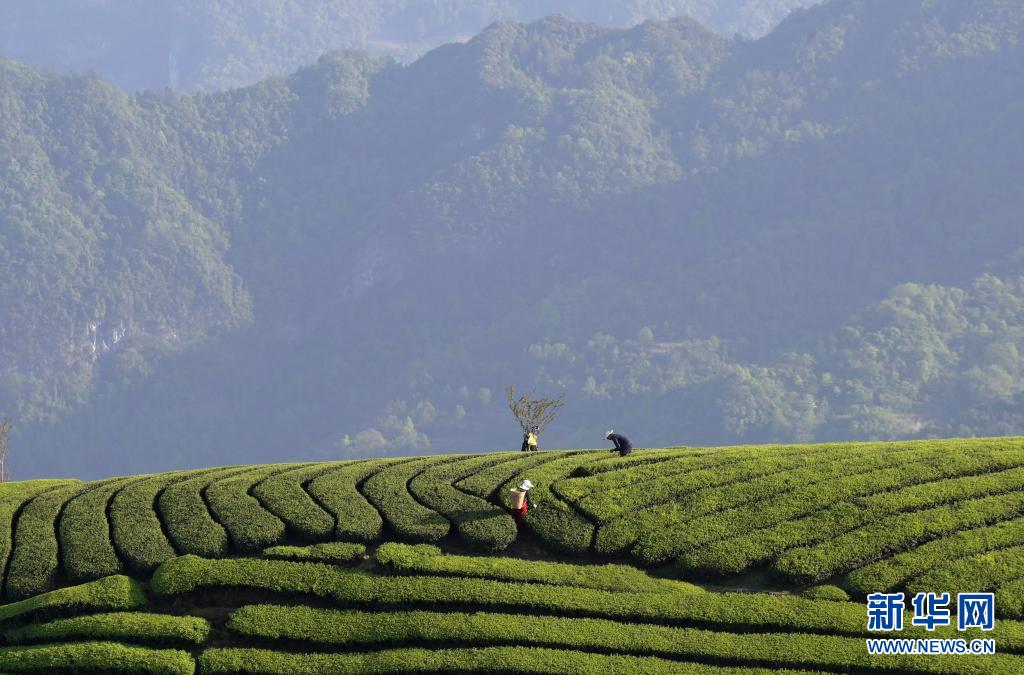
(739, 559)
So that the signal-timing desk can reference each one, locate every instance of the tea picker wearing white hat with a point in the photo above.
(622, 444)
(521, 499)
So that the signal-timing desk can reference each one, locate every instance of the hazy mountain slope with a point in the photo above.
(199, 44)
(694, 237)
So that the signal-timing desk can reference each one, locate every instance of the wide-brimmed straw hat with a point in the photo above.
(525, 485)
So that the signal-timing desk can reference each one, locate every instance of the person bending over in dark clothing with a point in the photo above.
(622, 443)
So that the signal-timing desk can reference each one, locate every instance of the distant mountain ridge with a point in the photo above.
(199, 44)
(814, 235)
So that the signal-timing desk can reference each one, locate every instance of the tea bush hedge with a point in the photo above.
(427, 559)
(126, 626)
(353, 629)
(107, 594)
(284, 496)
(34, 565)
(733, 555)
(484, 659)
(184, 512)
(896, 533)
(135, 527)
(894, 572)
(102, 657)
(12, 497)
(84, 532)
(355, 518)
(388, 490)
(886, 473)
(478, 522)
(335, 551)
(249, 526)
(488, 481)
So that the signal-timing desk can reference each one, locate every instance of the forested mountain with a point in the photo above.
(699, 239)
(214, 44)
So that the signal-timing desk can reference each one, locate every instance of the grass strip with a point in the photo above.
(128, 626)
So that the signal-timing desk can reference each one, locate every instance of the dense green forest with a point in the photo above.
(207, 44)
(699, 239)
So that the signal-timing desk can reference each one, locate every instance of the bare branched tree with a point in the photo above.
(5, 443)
(532, 412)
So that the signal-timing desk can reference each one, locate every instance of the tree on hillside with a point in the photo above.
(531, 412)
(5, 429)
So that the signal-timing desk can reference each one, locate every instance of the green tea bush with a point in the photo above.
(350, 587)
(486, 659)
(733, 555)
(554, 520)
(355, 518)
(640, 465)
(894, 572)
(352, 629)
(188, 521)
(842, 481)
(825, 592)
(249, 526)
(106, 594)
(101, 657)
(981, 572)
(756, 476)
(478, 522)
(335, 551)
(34, 566)
(345, 585)
(284, 496)
(487, 481)
(427, 559)
(12, 497)
(134, 525)
(1010, 600)
(84, 532)
(127, 626)
(897, 533)
(388, 491)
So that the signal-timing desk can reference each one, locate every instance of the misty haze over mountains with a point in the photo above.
(202, 44)
(699, 239)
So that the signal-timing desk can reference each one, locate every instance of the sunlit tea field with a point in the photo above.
(736, 559)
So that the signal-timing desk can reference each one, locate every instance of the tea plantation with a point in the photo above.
(677, 560)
